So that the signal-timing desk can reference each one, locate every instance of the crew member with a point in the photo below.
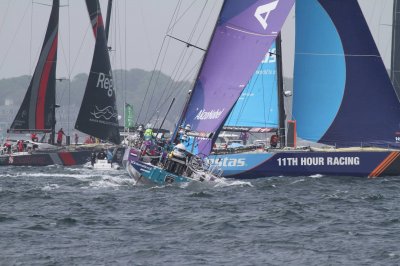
(148, 134)
(34, 137)
(274, 141)
(76, 138)
(60, 134)
(20, 146)
(101, 155)
(177, 159)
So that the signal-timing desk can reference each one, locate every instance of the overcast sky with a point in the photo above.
(137, 34)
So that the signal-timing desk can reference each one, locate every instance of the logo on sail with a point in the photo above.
(209, 115)
(263, 12)
(106, 82)
(106, 113)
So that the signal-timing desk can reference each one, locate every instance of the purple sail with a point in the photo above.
(244, 30)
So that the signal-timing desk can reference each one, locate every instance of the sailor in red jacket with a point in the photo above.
(60, 134)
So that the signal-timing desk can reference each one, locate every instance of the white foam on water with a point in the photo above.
(50, 187)
(77, 176)
(223, 182)
(297, 181)
(316, 176)
(108, 181)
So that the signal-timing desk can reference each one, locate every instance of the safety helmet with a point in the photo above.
(188, 127)
(179, 151)
(180, 146)
(184, 137)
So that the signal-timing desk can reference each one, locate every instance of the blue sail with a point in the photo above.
(342, 93)
(257, 107)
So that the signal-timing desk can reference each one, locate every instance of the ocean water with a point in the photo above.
(77, 216)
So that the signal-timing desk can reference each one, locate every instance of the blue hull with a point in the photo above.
(147, 173)
(306, 163)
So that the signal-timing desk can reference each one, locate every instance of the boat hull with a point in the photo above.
(149, 174)
(306, 163)
(65, 158)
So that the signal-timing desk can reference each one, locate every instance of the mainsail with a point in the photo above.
(342, 93)
(257, 107)
(98, 114)
(243, 31)
(37, 111)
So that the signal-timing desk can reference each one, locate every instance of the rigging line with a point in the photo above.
(180, 61)
(30, 43)
(155, 66)
(14, 36)
(156, 79)
(198, 38)
(183, 14)
(176, 68)
(4, 18)
(69, 68)
(80, 47)
(174, 93)
(126, 65)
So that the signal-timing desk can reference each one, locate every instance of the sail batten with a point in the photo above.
(98, 114)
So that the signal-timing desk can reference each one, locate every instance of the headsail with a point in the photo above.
(37, 111)
(257, 107)
(98, 114)
(342, 93)
(244, 29)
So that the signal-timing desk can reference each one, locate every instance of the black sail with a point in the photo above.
(37, 112)
(395, 67)
(98, 114)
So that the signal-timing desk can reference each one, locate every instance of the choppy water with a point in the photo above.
(76, 216)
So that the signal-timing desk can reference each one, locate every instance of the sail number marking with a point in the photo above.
(317, 161)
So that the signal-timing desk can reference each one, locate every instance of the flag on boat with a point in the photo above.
(128, 115)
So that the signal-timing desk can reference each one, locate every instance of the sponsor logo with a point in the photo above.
(263, 12)
(319, 161)
(106, 113)
(228, 162)
(106, 82)
(209, 115)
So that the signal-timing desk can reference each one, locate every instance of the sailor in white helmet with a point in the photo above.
(176, 162)
(188, 128)
(179, 151)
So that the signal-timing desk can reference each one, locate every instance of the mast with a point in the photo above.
(395, 62)
(109, 8)
(281, 99)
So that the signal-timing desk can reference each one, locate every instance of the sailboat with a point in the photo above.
(343, 99)
(37, 111)
(243, 30)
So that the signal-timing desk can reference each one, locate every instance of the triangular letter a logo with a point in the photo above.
(263, 12)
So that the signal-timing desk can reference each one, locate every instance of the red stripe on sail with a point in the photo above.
(98, 24)
(41, 101)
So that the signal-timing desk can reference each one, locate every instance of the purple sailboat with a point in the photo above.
(244, 31)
